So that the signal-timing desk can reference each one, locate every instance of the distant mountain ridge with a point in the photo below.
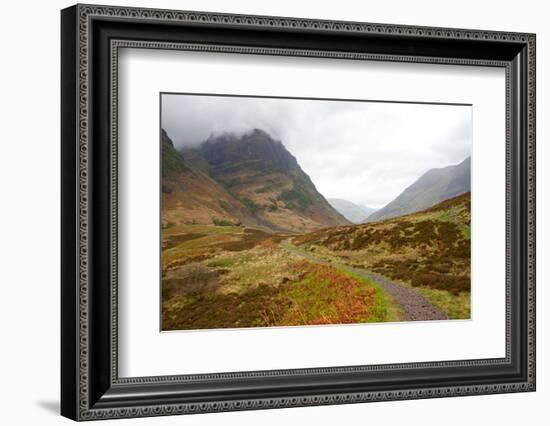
(431, 188)
(355, 213)
(259, 174)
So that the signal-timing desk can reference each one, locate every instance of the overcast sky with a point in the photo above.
(364, 152)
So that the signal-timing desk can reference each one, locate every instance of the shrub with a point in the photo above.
(296, 198)
(250, 205)
(222, 222)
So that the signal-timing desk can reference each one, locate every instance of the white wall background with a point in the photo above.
(29, 213)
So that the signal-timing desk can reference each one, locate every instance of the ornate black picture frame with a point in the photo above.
(91, 36)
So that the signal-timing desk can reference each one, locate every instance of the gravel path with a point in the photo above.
(416, 306)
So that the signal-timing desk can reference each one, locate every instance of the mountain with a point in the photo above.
(431, 188)
(262, 175)
(191, 196)
(351, 211)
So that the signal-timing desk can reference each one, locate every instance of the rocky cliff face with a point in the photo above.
(255, 150)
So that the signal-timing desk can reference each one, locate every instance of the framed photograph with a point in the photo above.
(263, 212)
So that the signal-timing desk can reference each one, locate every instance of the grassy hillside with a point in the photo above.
(428, 250)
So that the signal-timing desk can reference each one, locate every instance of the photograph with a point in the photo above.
(298, 212)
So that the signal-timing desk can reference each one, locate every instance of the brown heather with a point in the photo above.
(425, 249)
(230, 276)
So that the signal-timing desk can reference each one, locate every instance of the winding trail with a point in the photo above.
(416, 306)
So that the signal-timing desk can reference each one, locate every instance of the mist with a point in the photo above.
(364, 152)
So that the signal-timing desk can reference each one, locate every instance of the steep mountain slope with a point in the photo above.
(432, 187)
(191, 196)
(260, 173)
(351, 211)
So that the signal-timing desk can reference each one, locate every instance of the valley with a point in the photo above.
(232, 277)
(248, 241)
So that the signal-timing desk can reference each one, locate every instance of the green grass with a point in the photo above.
(261, 284)
(444, 216)
(308, 299)
(386, 309)
(252, 267)
(328, 295)
(223, 262)
(457, 306)
(268, 286)
(296, 199)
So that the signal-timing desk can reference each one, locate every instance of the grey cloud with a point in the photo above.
(365, 152)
